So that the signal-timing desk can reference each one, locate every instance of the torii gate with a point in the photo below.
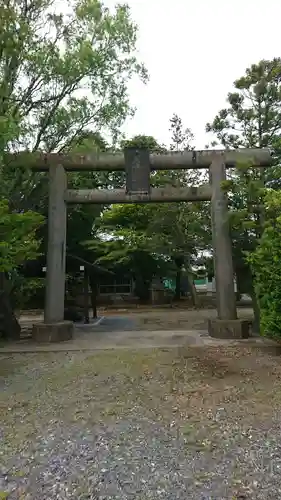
(138, 164)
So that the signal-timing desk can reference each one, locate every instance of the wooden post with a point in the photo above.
(86, 296)
(94, 293)
(226, 303)
(55, 279)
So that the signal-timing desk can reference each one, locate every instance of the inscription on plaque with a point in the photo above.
(137, 166)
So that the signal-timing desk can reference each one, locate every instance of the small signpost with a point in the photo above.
(85, 294)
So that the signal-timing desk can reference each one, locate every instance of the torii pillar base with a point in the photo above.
(229, 328)
(53, 332)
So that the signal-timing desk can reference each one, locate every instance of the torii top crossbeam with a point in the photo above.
(164, 161)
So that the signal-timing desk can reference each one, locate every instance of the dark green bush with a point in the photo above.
(265, 263)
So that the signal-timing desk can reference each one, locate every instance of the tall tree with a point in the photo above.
(253, 116)
(182, 137)
(251, 119)
(18, 243)
(62, 70)
(184, 215)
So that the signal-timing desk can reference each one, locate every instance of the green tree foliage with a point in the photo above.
(252, 118)
(63, 82)
(265, 264)
(169, 235)
(180, 230)
(182, 137)
(127, 253)
(18, 241)
(128, 250)
(62, 70)
(81, 218)
(143, 141)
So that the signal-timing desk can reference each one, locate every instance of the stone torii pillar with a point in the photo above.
(57, 213)
(54, 328)
(226, 325)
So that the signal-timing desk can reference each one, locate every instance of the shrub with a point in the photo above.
(265, 263)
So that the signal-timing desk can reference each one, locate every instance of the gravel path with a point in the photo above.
(202, 424)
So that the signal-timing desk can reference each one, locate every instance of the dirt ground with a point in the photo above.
(145, 318)
(131, 328)
(175, 319)
(216, 410)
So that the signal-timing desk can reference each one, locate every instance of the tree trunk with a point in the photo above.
(94, 292)
(193, 291)
(9, 325)
(256, 322)
(178, 284)
(245, 284)
(191, 285)
(142, 288)
(93, 286)
(86, 297)
(239, 284)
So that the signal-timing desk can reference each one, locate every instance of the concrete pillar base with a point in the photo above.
(229, 328)
(55, 332)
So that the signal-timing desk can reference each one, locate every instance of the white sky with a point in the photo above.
(194, 50)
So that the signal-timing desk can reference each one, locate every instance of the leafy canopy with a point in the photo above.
(64, 68)
(18, 241)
